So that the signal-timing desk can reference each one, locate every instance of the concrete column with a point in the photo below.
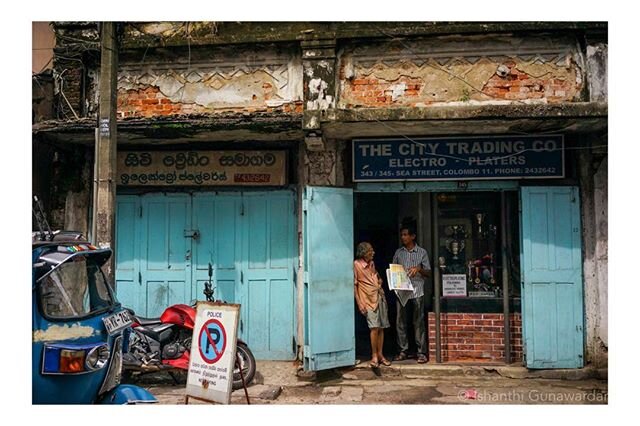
(317, 158)
(106, 142)
(597, 70)
(320, 83)
(601, 343)
(594, 249)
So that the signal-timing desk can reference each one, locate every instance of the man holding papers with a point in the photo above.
(415, 261)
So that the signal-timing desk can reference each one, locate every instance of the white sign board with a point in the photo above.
(213, 352)
(454, 285)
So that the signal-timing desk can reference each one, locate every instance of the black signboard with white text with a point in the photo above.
(458, 158)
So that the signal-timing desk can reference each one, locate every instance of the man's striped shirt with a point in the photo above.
(412, 258)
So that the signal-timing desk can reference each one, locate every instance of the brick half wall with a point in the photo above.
(475, 337)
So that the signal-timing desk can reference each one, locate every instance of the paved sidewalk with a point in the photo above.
(406, 383)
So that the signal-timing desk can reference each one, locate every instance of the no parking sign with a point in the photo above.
(212, 341)
(213, 352)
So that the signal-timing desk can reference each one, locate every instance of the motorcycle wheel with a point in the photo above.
(248, 363)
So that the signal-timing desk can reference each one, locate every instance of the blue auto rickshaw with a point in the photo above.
(79, 328)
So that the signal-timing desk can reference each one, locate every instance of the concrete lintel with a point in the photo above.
(474, 120)
(224, 127)
(318, 49)
(252, 32)
(461, 112)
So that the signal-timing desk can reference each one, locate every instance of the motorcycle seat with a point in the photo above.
(145, 322)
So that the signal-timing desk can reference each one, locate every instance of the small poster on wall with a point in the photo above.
(454, 285)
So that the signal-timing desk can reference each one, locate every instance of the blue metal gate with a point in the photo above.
(552, 293)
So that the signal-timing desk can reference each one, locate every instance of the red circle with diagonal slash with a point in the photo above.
(204, 329)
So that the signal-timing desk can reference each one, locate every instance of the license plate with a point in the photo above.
(117, 321)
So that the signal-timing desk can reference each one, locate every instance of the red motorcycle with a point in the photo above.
(164, 344)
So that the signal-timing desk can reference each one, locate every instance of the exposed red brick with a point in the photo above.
(492, 316)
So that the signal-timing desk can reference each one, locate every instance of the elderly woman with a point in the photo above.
(371, 301)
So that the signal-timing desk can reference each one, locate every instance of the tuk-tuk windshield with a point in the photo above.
(75, 289)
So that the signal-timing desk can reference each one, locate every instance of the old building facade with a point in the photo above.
(268, 150)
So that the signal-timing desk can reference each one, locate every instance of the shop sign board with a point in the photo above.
(202, 168)
(458, 158)
(454, 285)
(213, 352)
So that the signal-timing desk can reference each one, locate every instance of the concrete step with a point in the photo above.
(410, 368)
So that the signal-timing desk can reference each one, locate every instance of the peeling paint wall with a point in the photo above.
(321, 166)
(206, 80)
(78, 198)
(171, 30)
(320, 87)
(602, 254)
(597, 57)
(64, 182)
(450, 70)
(64, 332)
(594, 198)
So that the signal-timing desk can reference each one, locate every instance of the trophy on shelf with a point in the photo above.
(453, 254)
(479, 219)
(493, 231)
(455, 247)
(455, 243)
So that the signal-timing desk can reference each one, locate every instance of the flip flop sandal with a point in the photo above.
(400, 357)
(374, 364)
(385, 362)
(422, 359)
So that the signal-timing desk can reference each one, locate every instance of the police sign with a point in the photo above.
(213, 352)
(458, 158)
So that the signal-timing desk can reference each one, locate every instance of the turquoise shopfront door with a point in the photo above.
(269, 258)
(165, 243)
(552, 294)
(249, 238)
(329, 335)
(153, 267)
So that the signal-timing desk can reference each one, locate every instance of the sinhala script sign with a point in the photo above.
(213, 352)
(202, 168)
(458, 158)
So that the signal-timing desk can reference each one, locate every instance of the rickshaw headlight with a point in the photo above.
(74, 359)
(114, 371)
(97, 358)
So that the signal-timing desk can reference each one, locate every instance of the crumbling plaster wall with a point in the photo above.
(62, 179)
(458, 70)
(209, 80)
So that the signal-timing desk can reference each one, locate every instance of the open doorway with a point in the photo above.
(476, 251)
(377, 220)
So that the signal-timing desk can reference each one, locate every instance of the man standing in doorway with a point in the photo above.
(416, 262)
(371, 300)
